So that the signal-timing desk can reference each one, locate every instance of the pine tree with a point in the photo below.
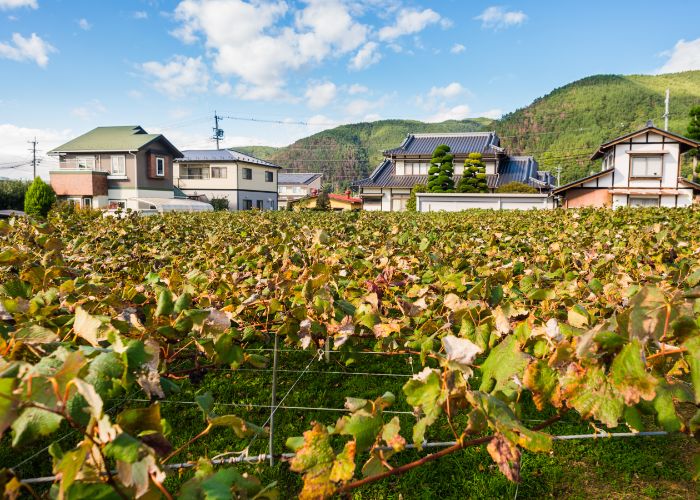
(474, 178)
(323, 202)
(39, 199)
(694, 133)
(441, 171)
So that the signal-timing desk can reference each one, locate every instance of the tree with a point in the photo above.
(441, 171)
(516, 187)
(411, 203)
(219, 204)
(12, 194)
(39, 199)
(323, 202)
(474, 178)
(694, 133)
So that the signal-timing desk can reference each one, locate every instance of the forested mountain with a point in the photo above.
(562, 128)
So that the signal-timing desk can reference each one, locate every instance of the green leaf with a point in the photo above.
(362, 426)
(35, 334)
(8, 405)
(693, 358)
(32, 424)
(227, 352)
(578, 317)
(424, 391)
(595, 285)
(237, 424)
(165, 305)
(124, 448)
(665, 404)
(543, 382)
(589, 392)
(183, 302)
(628, 375)
(138, 420)
(205, 401)
(647, 314)
(504, 362)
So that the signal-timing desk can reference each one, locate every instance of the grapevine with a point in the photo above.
(595, 312)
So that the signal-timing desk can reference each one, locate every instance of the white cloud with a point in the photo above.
(248, 40)
(455, 113)
(356, 88)
(27, 49)
(14, 4)
(84, 24)
(494, 114)
(140, 14)
(135, 94)
(320, 95)
(411, 21)
(498, 17)
(13, 147)
(448, 92)
(89, 110)
(372, 117)
(223, 88)
(685, 56)
(458, 48)
(179, 76)
(366, 56)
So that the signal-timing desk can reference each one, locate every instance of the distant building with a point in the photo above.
(339, 202)
(245, 181)
(292, 186)
(639, 169)
(119, 167)
(389, 186)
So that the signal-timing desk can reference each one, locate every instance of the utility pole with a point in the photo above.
(558, 175)
(218, 133)
(667, 114)
(33, 150)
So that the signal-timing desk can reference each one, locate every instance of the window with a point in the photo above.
(269, 176)
(197, 172)
(248, 204)
(218, 172)
(259, 204)
(115, 204)
(247, 173)
(86, 162)
(118, 165)
(646, 166)
(160, 166)
(398, 204)
(400, 169)
(87, 202)
(646, 201)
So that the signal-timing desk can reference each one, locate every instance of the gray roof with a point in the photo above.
(459, 143)
(510, 169)
(210, 155)
(296, 177)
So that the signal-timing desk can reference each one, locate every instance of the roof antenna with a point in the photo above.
(667, 114)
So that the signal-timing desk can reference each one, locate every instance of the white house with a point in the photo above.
(639, 169)
(245, 181)
(389, 186)
(295, 185)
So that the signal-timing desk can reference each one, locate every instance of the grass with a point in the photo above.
(603, 468)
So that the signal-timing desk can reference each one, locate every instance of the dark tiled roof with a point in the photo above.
(296, 178)
(462, 143)
(222, 155)
(512, 169)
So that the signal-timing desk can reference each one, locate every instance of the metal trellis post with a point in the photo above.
(273, 402)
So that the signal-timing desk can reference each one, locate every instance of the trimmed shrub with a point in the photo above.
(474, 178)
(441, 171)
(39, 199)
(516, 187)
(411, 202)
(219, 204)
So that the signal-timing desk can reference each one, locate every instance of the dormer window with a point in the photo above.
(646, 166)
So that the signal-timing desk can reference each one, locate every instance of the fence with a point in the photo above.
(319, 356)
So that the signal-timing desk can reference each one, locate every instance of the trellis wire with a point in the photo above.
(440, 444)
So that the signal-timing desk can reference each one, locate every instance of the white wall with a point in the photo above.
(455, 202)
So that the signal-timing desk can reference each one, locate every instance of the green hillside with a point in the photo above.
(562, 128)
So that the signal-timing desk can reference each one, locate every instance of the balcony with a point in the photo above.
(82, 182)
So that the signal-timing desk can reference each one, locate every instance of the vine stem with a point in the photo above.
(201, 434)
(666, 353)
(431, 458)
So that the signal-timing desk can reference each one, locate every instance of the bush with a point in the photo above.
(219, 204)
(411, 203)
(441, 170)
(12, 193)
(474, 178)
(516, 187)
(39, 199)
(323, 202)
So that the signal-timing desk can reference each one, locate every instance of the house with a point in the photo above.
(638, 169)
(245, 181)
(338, 202)
(389, 186)
(292, 186)
(119, 167)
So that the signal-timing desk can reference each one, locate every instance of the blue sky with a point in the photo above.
(70, 65)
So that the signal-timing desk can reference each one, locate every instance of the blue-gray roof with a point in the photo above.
(296, 177)
(459, 143)
(222, 155)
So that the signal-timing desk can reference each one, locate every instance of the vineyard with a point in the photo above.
(277, 354)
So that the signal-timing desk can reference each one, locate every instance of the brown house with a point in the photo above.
(118, 167)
